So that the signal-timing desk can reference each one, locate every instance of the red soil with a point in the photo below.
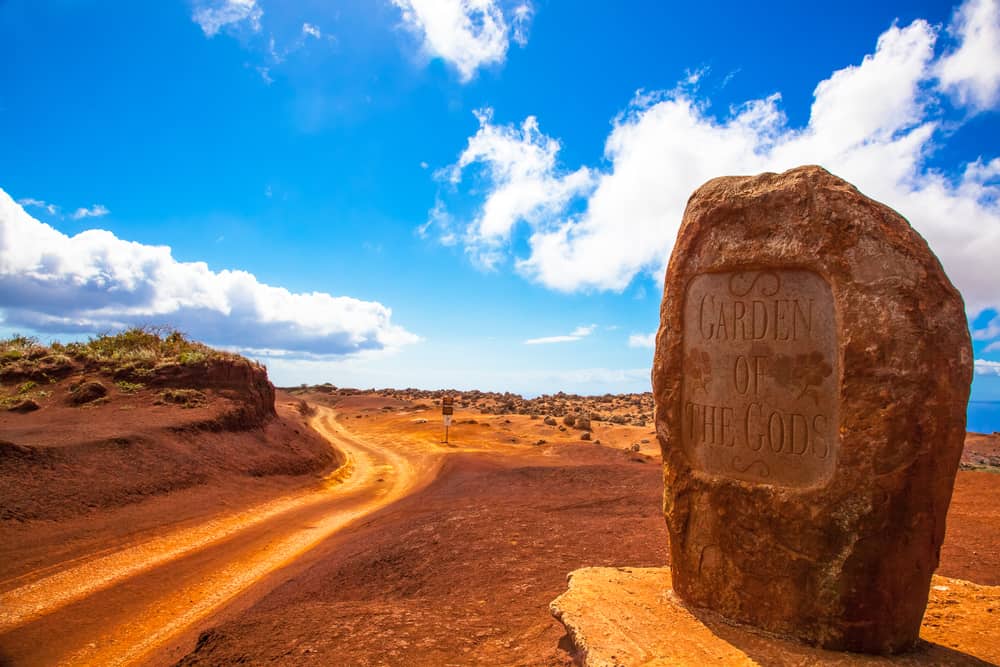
(75, 479)
(463, 572)
(460, 572)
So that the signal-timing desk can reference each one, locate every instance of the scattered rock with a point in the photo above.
(569, 420)
(585, 435)
(550, 421)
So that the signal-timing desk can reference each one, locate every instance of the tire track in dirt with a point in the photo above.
(118, 608)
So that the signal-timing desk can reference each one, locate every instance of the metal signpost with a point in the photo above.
(447, 410)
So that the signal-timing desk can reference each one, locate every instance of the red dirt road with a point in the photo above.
(118, 607)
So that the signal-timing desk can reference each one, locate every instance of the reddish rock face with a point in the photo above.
(811, 377)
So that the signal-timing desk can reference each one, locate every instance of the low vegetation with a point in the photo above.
(133, 352)
(131, 359)
(126, 387)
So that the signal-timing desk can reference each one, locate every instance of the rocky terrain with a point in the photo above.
(622, 409)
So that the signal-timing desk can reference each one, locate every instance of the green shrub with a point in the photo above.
(126, 387)
(191, 357)
(132, 353)
(18, 347)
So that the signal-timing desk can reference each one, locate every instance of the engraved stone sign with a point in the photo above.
(760, 376)
(811, 377)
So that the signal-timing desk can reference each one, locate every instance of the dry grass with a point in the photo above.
(137, 351)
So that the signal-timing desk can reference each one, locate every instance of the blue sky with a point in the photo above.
(459, 193)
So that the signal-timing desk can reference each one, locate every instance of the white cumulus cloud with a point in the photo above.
(94, 281)
(214, 15)
(576, 334)
(467, 34)
(971, 72)
(873, 123)
(520, 165)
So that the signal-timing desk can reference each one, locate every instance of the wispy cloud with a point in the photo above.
(467, 34)
(95, 211)
(874, 123)
(985, 367)
(94, 281)
(642, 340)
(521, 21)
(576, 334)
(214, 15)
(38, 203)
(989, 332)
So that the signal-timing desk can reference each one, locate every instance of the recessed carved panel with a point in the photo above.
(760, 376)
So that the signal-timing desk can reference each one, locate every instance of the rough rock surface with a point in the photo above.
(811, 376)
(625, 617)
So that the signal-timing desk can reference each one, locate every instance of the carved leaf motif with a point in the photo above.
(698, 368)
(812, 370)
(804, 372)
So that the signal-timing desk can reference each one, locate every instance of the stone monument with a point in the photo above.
(811, 377)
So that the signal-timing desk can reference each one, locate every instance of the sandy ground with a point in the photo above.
(416, 552)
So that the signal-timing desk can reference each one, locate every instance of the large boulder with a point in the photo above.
(811, 377)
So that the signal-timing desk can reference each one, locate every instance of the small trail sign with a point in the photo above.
(447, 410)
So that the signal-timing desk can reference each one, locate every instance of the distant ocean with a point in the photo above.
(984, 416)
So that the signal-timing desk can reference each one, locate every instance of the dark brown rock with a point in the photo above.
(811, 377)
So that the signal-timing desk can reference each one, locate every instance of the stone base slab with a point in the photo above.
(630, 617)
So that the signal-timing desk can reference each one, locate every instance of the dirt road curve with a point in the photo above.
(118, 608)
